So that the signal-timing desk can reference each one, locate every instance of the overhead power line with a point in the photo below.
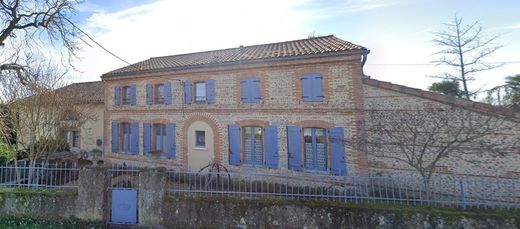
(434, 64)
(95, 42)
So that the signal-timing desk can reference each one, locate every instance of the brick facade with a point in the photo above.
(281, 105)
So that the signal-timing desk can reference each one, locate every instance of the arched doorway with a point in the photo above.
(200, 145)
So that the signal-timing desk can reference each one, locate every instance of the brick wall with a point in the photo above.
(281, 105)
(487, 164)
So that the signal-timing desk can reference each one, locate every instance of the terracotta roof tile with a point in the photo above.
(304, 47)
(87, 92)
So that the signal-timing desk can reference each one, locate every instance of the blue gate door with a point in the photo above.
(124, 206)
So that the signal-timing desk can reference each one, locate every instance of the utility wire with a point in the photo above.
(433, 64)
(95, 42)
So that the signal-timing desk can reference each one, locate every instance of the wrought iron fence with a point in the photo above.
(444, 190)
(39, 176)
(123, 176)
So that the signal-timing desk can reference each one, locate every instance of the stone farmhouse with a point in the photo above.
(286, 107)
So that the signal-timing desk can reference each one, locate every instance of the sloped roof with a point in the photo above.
(85, 93)
(244, 54)
(446, 99)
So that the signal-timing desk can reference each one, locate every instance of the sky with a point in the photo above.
(398, 33)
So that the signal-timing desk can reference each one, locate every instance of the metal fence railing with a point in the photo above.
(23, 174)
(123, 177)
(444, 190)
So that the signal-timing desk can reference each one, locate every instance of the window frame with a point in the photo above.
(253, 145)
(125, 148)
(314, 166)
(196, 142)
(126, 95)
(195, 90)
(153, 139)
(156, 98)
(75, 137)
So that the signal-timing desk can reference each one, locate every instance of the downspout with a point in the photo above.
(363, 61)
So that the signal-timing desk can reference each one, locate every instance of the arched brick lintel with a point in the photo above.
(206, 118)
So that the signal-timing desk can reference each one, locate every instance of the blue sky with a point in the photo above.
(398, 32)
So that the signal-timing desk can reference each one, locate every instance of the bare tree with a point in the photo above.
(36, 111)
(28, 25)
(422, 138)
(464, 48)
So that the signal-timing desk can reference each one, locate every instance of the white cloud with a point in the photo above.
(174, 27)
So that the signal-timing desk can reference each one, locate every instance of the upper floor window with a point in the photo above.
(312, 87)
(250, 90)
(203, 92)
(159, 93)
(125, 95)
(200, 92)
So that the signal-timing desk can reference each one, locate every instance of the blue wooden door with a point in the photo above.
(124, 206)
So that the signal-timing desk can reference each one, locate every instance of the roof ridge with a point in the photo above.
(248, 46)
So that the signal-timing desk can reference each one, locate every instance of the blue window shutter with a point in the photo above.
(149, 94)
(115, 137)
(134, 143)
(234, 144)
(210, 91)
(294, 147)
(117, 96)
(146, 138)
(170, 140)
(133, 94)
(337, 151)
(168, 93)
(271, 147)
(317, 87)
(245, 90)
(307, 95)
(187, 92)
(255, 90)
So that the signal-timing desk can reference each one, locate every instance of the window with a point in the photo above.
(126, 136)
(200, 139)
(159, 94)
(253, 145)
(315, 150)
(200, 92)
(250, 90)
(159, 137)
(127, 95)
(312, 90)
(75, 139)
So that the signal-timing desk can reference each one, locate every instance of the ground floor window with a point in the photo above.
(253, 145)
(75, 139)
(159, 137)
(200, 139)
(315, 148)
(126, 136)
